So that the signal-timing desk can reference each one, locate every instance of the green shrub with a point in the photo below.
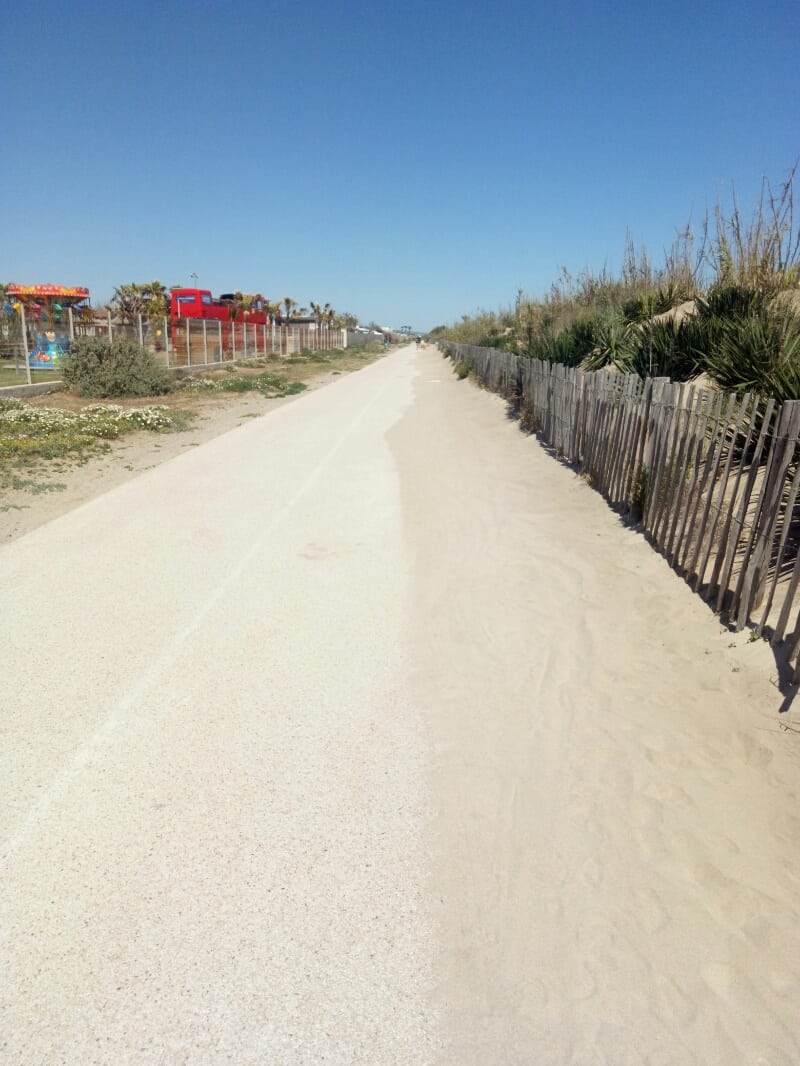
(102, 368)
(612, 342)
(462, 370)
(671, 349)
(758, 352)
(570, 344)
(642, 306)
(728, 301)
(640, 494)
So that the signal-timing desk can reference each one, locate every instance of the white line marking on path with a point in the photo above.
(91, 748)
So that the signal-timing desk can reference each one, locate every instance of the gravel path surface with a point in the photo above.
(213, 794)
(365, 734)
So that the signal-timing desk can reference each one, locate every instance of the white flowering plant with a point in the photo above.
(46, 432)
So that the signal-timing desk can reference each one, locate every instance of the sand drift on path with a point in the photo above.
(618, 820)
(364, 733)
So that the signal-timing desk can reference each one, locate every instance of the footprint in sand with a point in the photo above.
(668, 759)
(755, 753)
(592, 872)
(653, 846)
(678, 1006)
(646, 812)
(787, 827)
(650, 912)
(719, 977)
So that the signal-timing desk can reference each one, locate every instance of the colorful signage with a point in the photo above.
(70, 292)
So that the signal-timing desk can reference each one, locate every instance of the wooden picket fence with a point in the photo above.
(711, 477)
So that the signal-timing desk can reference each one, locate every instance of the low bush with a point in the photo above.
(103, 368)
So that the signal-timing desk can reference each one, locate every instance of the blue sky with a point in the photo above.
(409, 163)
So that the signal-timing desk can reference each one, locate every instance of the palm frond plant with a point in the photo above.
(758, 352)
(668, 347)
(613, 342)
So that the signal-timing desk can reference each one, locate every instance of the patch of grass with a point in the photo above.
(36, 488)
(461, 370)
(326, 356)
(269, 384)
(11, 376)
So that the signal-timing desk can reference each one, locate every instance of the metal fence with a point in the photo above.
(712, 478)
(32, 351)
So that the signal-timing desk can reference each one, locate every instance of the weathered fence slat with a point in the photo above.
(662, 486)
(784, 447)
(622, 465)
(741, 516)
(709, 418)
(718, 487)
(754, 575)
(691, 412)
(710, 470)
(715, 585)
(787, 522)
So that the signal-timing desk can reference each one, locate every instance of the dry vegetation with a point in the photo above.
(725, 302)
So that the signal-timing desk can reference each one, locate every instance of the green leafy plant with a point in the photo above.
(640, 491)
(758, 352)
(667, 347)
(612, 342)
(105, 369)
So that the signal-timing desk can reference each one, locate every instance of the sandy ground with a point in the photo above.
(617, 802)
(366, 734)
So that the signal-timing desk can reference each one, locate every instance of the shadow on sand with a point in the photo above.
(787, 680)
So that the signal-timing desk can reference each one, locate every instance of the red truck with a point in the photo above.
(199, 303)
(206, 328)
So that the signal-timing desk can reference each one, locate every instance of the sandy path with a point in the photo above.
(618, 818)
(212, 794)
(364, 734)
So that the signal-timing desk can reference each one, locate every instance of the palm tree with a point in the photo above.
(156, 299)
(289, 305)
(126, 301)
(149, 299)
